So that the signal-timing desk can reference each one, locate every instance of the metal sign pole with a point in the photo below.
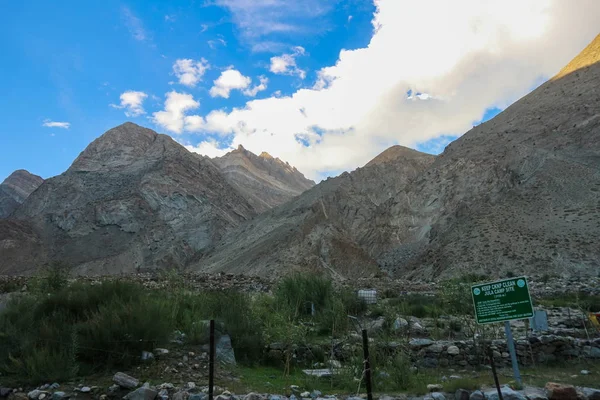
(513, 353)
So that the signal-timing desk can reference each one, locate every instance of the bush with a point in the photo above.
(297, 292)
(79, 328)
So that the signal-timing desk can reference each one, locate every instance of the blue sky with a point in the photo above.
(236, 72)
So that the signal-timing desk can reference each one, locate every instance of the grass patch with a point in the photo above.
(580, 300)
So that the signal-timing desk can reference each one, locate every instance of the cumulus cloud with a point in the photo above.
(208, 148)
(172, 118)
(286, 63)
(465, 55)
(190, 72)
(132, 101)
(229, 80)
(251, 92)
(54, 124)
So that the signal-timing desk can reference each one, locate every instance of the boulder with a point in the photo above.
(418, 343)
(453, 350)
(535, 394)
(462, 394)
(224, 350)
(198, 396)
(559, 391)
(435, 388)
(143, 393)
(4, 392)
(125, 381)
(591, 394)
(400, 324)
(507, 394)
(59, 395)
(254, 396)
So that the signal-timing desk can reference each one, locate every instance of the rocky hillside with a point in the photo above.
(517, 194)
(326, 228)
(132, 200)
(263, 180)
(15, 189)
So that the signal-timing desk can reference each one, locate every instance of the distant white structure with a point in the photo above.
(369, 296)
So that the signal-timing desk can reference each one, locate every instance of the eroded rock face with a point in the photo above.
(132, 200)
(263, 180)
(15, 189)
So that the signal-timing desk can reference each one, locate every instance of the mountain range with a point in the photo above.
(517, 194)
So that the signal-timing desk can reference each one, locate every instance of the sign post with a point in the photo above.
(505, 300)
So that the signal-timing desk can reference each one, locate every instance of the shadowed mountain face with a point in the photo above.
(133, 199)
(15, 189)
(520, 193)
(264, 181)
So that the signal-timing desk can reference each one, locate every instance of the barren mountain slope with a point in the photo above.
(15, 189)
(520, 193)
(264, 181)
(132, 199)
(322, 229)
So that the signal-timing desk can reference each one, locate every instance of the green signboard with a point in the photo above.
(503, 300)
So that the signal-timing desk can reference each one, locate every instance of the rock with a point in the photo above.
(462, 394)
(167, 386)
(437, 396)
(160, 351)
(591, 394)
(453, 350)
(4, 392)
(334, 364)
(305, 394)
(59, 395)
(558, 391)
(535, 394)
(377, 325)
(455, 377)
(54, 386)
(181, 395)
(275, 397)
(163, 394)
(147, 356)
(198, 396)
(224, 350)
(114, 388)
(400, 324)
(435, 348)
(190, 386)
(85, 389)
(591, 352)
(255, 396)
(142, 393)
(315, 394)
(418, 343)
(435, 388)
(507, 394)
(584, 372)
(125, 381)
(34, 394)
(17, 396)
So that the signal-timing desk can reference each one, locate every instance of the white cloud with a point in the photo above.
(214, 43)
(257, 88)
(262, 23)
(53, 124)
(170, 18)
(134, 25)
(209, 148)
(132, 101)
(173, 116)
(190, 72)
(466, 55)
(286, 63)
(229, 80)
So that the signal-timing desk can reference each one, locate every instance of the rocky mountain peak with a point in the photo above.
(588, 57)
(15, 189)
(120, 146)
(396, 153)
(266, 155)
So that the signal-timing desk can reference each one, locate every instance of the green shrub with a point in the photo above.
(79, 329)
(298, 291)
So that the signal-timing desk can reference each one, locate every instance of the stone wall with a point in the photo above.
(540, 349)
